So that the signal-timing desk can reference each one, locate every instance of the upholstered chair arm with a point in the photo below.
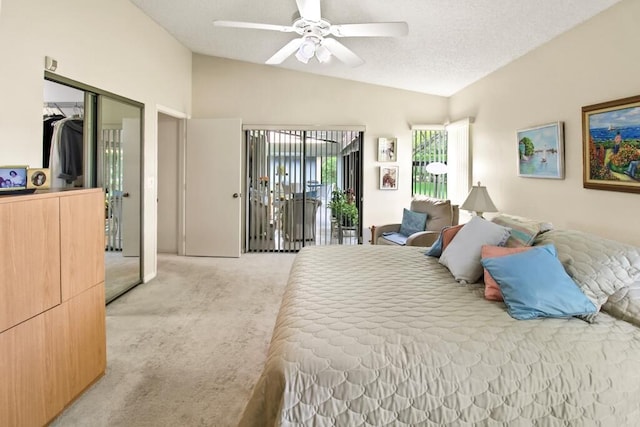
(379, 229)
(423, 238)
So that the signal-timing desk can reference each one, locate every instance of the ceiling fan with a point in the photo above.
(314, 32)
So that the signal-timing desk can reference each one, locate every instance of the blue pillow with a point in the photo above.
(435, 249)
(412, 222)
(534, 284)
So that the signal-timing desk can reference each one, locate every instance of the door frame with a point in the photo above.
(182, 180)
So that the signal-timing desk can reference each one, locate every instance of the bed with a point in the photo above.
(382, 335)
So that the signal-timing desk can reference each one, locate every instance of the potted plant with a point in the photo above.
(343, 207)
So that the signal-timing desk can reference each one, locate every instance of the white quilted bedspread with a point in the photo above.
(383, 336)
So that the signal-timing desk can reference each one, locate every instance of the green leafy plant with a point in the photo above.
(343, 207)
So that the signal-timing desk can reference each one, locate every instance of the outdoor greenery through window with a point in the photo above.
(429, 160)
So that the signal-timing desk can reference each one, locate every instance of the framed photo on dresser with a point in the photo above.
(38, 178)
(13, 178)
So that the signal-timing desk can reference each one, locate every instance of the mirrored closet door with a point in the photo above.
(107, 134)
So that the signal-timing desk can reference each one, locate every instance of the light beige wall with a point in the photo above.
(261, 94)
(595, 62)
(110, 45)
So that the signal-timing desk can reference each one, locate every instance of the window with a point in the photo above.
(429, 162)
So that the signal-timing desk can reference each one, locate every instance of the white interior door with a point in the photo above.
(213, 186)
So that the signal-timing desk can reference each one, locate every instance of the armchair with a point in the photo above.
(299, 218)
(440, 214)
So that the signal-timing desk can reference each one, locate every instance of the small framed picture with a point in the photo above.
(541, 151)
(13, 178)
(387, 149)
(388, 177)
(38, 178)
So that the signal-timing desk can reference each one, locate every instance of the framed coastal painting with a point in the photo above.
(611, 145)
(541, 151)
(387, 149)
(388, 177)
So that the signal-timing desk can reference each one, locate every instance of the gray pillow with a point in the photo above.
(412, 222)
(462, 256)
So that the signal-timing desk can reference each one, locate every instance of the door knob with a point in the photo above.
(125, 194)
(236, 195)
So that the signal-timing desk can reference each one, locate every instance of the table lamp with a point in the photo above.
(478, 200)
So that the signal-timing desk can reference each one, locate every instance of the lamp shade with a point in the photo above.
(478, 200)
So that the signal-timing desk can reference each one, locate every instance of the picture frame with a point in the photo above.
(387, 149)
(13, 178)
(541, 151)
(611, 145)
(39, 178)
(389, 177)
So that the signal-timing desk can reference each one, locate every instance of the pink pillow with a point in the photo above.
(448, 234)
(491, 288)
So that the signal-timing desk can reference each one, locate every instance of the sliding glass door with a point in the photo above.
(304, 188)
(118, 173)
(111, 128)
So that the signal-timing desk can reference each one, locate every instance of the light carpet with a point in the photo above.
(186, 348)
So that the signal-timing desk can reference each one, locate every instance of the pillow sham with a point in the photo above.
(462, 255)
(599, 266)
(534, 284)
(412, 222)
(491, 288)
(523, 230)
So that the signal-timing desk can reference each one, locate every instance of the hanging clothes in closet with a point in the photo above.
(47, 134)
(66, 158)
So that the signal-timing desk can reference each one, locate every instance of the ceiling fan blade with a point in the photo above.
(341, 52)
(309, 10)
(285, 52)
(254, 26)
(377, 29)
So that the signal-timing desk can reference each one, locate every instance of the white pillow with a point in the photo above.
(462, 256)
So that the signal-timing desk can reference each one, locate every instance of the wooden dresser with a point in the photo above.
(52, 303)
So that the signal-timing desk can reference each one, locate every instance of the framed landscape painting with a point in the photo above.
(611, 145)
(541, 151)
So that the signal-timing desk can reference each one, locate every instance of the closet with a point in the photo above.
(92, 138)
(63, 136)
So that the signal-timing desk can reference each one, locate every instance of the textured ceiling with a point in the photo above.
(450, 45)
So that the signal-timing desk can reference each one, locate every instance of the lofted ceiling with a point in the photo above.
(450, 44)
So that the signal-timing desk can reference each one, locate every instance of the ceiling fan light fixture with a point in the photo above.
(300, 57)
(323, 54)
(315, 32)
(306, 51)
